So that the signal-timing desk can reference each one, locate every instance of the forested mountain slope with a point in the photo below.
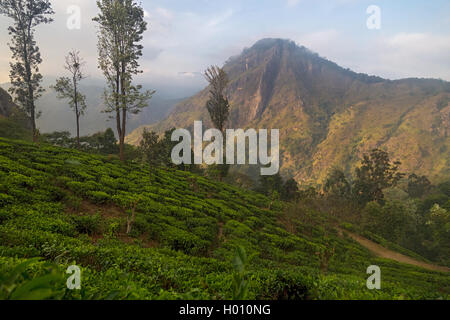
(328, 116)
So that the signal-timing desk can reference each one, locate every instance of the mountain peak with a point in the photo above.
(327, 115)
(271, 42)
(268, 44)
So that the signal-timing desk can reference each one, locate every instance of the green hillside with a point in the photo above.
(13, 129)
(6, 104)
(68, 207)
(13, 123)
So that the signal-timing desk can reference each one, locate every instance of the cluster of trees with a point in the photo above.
(420, 223)
(406, 210)
(121, 26)
(277, 188)
(156, 151)
(101, 142)
(376, 173)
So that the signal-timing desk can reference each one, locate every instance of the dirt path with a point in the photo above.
(392, 255)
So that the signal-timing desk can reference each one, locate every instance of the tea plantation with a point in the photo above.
(60, 207)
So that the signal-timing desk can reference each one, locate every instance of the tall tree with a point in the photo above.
(270, 184)
(121, 28)
(337, 185)
(290, 190)
(68, 88)
(219, 109)
(156, 150)
(25, 77)
(418, 186)
(376, 173)
(218, 105)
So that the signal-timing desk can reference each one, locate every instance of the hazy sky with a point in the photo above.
(185, 36)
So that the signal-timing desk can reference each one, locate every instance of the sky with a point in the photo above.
(186, 36)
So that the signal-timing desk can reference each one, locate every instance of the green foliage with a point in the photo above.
(290, 190)
(218, 106)
(240, 285)
(19, 284)
(308, 193)
(24, 74)
(185, 234)
(439, 222)
(62, 139)
(270, 184)
(217, 171)
(121, 27)
(418, 225)
(394, 221)
(337, 185)
(13, 129)
(87, 224)
(68, 88)
(444, 187)
(98, 197)
(429, 201)
(376, 173)
(100, 142)
(157, 151)
(418, 186)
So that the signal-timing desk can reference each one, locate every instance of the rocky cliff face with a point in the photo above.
(327, 115)
(6, 104)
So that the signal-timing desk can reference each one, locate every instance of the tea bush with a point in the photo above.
(68, 207)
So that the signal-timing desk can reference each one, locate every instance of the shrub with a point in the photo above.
(99, 197)
(87, 224)
(5, 199)
(73, 202)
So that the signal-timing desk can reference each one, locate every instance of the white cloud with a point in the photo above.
(181, 41)
(190, 74)
(415, 55)
(400, 55)
(219, 19)
(163, 12)
(292, 3)
(319, 39)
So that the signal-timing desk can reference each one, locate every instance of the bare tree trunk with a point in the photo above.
(122, 150)
(130, 221)
(78, 129)
(122, 138)
(118, 123)
(131, 218)
(30, 100)
(32, 111)
(33, 123)
(76, 111)
(124, 113)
